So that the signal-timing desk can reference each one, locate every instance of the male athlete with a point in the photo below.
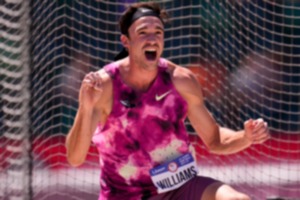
(134, 111)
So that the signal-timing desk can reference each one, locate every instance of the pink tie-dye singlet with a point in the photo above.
(142, 132)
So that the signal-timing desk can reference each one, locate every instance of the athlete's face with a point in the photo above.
(146, 41)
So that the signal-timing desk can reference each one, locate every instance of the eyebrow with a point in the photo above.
(143, 27)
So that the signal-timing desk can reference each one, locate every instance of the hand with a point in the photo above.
(90, 90)
(256, 131)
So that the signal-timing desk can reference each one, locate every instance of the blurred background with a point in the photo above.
(244, 53)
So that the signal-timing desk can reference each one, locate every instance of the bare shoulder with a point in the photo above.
(104, 75)
(183, 79)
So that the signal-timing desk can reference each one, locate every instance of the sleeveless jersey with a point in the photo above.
(141, 132)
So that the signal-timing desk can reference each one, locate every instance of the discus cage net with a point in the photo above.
(244, 53)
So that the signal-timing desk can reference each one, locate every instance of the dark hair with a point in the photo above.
(125, 20)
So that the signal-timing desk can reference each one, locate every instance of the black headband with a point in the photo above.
(140, 12)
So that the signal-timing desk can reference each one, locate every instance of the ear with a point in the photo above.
(125, 40)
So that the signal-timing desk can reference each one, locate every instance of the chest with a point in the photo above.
(163, 103)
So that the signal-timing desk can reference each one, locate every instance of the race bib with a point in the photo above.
(174, 174)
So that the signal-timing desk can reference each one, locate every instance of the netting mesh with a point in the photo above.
(246, 56)
(14, 99)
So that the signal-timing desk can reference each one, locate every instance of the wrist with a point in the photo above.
(85, 109)
(248, 140)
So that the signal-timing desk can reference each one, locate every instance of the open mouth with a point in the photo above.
(150, 55)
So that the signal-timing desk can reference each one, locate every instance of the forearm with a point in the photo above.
(231, 142)
(79, 138)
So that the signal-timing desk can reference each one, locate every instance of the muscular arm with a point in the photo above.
(94, 105)
(219, 140)
(79, 138)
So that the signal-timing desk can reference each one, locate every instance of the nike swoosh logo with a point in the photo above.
(144, 10)
(160, 97)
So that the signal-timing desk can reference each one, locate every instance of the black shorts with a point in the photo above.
(192, 190)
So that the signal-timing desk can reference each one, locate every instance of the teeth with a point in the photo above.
(151, 50)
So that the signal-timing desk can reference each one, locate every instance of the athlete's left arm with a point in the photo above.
(219, 140)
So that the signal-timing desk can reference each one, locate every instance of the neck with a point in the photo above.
(136, 77)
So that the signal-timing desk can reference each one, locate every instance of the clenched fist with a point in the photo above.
(90, 90)
(256, 131)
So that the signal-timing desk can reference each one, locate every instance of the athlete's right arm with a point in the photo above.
(91, 102)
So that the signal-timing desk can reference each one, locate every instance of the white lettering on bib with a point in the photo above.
(174, 174)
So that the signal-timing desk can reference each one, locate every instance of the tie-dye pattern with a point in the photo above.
(138, 135)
